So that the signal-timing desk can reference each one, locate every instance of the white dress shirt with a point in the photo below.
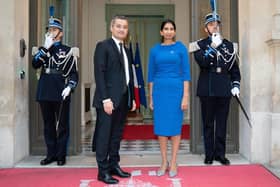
(125, 58)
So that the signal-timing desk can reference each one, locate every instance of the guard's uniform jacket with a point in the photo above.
(219, 71)
(58, 70)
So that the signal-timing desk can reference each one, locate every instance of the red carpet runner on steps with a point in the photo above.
(146, 132)
(188, 176)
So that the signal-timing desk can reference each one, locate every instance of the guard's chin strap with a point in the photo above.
(57, 34)
(208, 31)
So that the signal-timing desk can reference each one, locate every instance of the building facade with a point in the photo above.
(254, 25)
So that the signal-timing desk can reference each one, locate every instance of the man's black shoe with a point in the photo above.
(107, 178)
(61, 162)
(47, 161)
(119, 172)
(223, 160)
(208, 161)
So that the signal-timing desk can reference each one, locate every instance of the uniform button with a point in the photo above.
(211, 63)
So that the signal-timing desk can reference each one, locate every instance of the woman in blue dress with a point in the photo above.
(168, 77)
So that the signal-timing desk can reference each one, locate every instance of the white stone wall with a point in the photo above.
(275, 141)
(14, 140)
(260, 80)
(274, 44)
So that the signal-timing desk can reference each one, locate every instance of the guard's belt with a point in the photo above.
(215, 70)
(51, 71)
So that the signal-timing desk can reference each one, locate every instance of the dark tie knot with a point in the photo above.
(121, 49)
(121, 45)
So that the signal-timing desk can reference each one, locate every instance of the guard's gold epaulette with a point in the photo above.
(193, 46)
(75, 51)
(235, 47)
(35, 50)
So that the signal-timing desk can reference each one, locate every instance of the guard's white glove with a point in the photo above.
(235, 91)
(216, 40)
(49, 40)
(66, 92)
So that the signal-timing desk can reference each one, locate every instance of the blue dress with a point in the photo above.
(168, 69)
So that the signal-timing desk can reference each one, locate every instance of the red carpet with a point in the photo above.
(190, 176)
(146, 132)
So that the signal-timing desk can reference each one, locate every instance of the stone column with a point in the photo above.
(276, 21)
(14, 139)
(257, 75)
(274, 45)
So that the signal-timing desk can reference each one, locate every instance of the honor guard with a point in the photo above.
(218, 80)
(58, 78)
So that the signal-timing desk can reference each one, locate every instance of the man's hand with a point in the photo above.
(48, 40)
(216, 40)
(235, 91)
(108, 107)
(66, 92)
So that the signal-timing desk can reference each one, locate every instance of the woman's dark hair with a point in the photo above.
(167, 21)
(164, 23)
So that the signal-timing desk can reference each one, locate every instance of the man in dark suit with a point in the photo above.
(219, 79)
(112, 99)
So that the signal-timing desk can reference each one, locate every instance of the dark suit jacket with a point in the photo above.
(109, 74)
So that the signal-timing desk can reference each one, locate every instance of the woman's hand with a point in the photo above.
(184, 103)
(151, 105)
(133, 105)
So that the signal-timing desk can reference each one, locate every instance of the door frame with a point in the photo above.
(165, 10)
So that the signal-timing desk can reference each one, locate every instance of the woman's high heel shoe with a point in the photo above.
(162, 171)
(173, 173)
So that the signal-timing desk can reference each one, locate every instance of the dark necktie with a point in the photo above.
(126, 87)
(121, 52)
(122, 59)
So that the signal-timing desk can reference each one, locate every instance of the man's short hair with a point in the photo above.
(118, 17)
